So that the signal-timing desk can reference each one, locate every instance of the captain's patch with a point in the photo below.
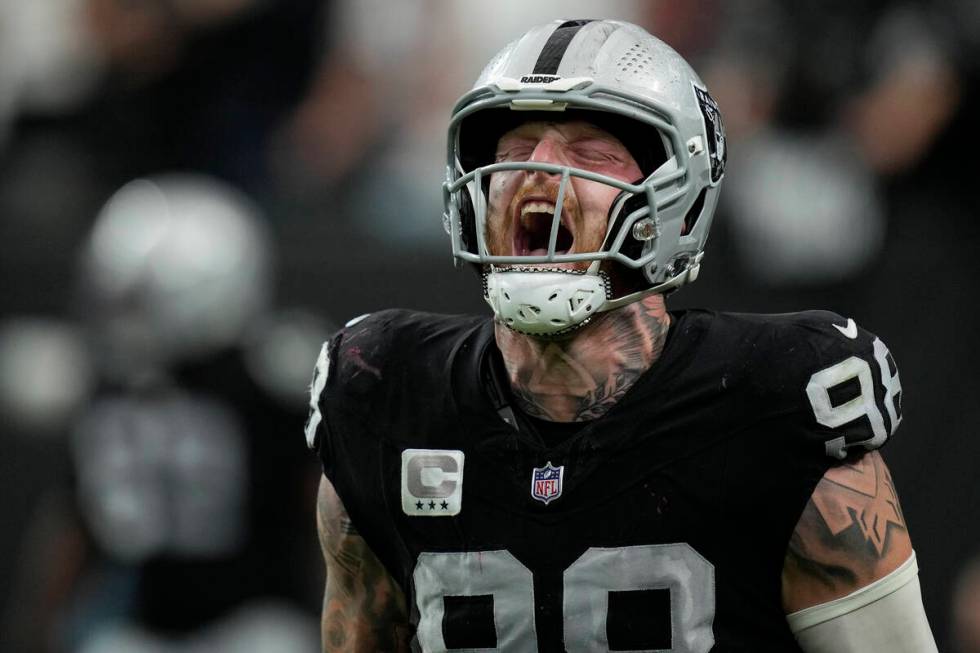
(432, 482)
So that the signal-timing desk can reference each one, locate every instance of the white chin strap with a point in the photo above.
(545, 302)
(554, 301)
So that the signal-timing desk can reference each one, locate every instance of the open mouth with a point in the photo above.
(533, 230)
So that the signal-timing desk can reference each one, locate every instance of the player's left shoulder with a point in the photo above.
(780, 346)
(829, 335)
(787, 344)
(847, 379)
(815, 373)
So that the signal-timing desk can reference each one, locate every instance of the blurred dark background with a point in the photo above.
(157, 337)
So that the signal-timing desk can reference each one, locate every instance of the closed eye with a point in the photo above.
(595, 149)
(519, 153)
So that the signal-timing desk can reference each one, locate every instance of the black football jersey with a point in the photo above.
(188, 492)
(661, 526)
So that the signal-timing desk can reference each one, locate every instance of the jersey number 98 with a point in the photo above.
(834, 415)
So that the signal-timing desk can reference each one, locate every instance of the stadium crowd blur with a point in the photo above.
(157, 335)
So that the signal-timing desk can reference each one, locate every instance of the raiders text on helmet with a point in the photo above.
(619, 77)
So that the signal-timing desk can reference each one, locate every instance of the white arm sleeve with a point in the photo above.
(886, 615)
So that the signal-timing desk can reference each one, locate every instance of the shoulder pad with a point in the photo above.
(375, 359)
(852, 388)
(370, 329)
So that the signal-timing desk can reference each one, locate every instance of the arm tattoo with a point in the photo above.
(863, 497)
(363, 609)
(851, 532)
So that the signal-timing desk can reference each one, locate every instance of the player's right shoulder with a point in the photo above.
(350, 362)
(377, 354)
(393, 340)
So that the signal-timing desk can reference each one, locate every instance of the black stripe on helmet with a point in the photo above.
(554, 49)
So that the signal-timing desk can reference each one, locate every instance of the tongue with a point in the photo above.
(543, 251)
(537, 243)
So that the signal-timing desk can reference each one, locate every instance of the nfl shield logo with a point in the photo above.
(546, 482)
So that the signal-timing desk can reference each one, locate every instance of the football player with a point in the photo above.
(169, 532)
(588, 471)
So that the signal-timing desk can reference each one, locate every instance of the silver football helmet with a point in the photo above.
(619, 77)
(176, 266)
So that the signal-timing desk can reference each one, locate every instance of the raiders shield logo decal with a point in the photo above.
(714, 131)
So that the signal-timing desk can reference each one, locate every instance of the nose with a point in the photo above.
(547, 150)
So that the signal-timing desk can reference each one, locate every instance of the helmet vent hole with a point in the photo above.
(497, 59)
(506, 295)
(635, 60)
(553, 297)
(556, 321)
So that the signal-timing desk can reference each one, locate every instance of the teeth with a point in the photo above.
(538, 207)
(535, 207)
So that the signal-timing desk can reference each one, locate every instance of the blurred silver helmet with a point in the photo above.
(619, 77)
(176, 266)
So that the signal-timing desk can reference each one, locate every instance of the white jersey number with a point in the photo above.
(587, 585)
(864, 405)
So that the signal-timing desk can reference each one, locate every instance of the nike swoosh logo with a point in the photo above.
(849, 331)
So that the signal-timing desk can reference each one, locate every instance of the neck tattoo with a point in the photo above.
(581, 378)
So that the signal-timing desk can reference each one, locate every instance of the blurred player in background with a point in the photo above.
(589, 471)
(187, 526)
